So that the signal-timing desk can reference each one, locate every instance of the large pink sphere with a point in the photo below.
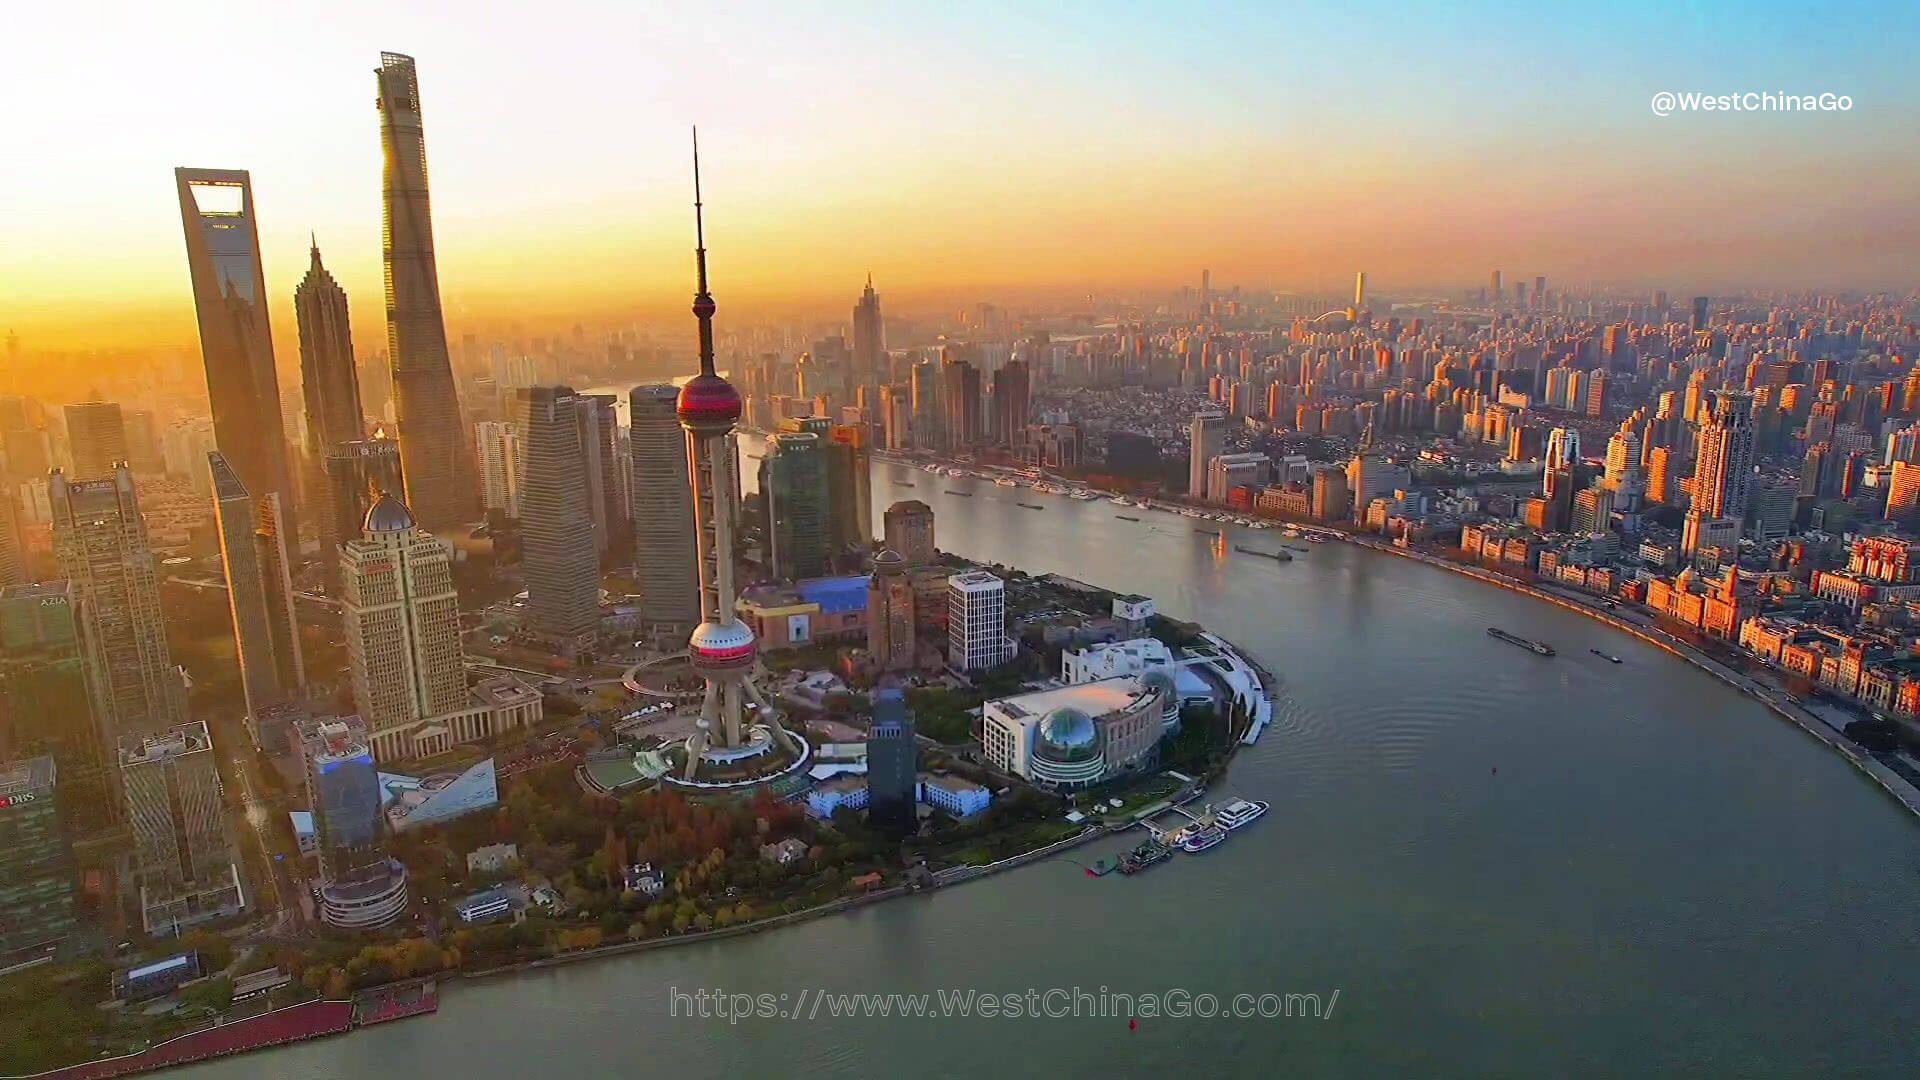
(708, 401)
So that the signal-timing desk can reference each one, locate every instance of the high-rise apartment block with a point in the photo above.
(496, 449)
(36, 865)
(100, 545)
(183, 858)
(1206, 437)
(977, 621)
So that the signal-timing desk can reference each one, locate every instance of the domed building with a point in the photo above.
(1078, 736)
(1162, 683)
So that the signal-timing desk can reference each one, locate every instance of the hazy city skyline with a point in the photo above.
(1126, 154)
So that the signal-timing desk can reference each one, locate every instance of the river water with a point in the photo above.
(1506, 865)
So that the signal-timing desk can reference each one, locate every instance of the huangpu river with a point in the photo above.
(1504, 864)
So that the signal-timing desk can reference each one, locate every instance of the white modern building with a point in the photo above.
(411, 802)
(1077, 736)
(496, 447)
(977, 622)
(954, 795)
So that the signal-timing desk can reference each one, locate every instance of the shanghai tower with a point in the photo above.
(434, 453)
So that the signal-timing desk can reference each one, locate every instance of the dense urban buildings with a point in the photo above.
(236, 335)
(100, 545)
(433, 439)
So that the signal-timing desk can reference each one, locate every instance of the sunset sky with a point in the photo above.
(958, 152)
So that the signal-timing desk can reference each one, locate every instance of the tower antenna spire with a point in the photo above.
(703, 305)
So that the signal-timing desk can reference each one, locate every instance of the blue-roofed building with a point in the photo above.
(810, 612)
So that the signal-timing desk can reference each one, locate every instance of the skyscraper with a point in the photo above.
(1700, 312)
(665, 565)
(977, 621)
(795, 486)
(361, 886)
(558, 553)
(97, 436)
(849, 467)
(45, 706)
(869, 339)
(1722, 474)
(183, 858)
(599, 423)
(909, 531)
(496, 449)
(890, 612)
(358, 473)
(892, 762)
(1012, 390)
(100, 544)
(259, 589)
(722, 649)
(329, 381)
(1206, 438)
(926, 406)
(433, 440)
(236, 337)
(960, 404)
(36, 864)
(402, 628)
(13, 541)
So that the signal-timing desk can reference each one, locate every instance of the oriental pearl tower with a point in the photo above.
(722, 649)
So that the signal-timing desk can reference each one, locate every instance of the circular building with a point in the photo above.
(365, 897)
(1159, 682)
(1067, 750)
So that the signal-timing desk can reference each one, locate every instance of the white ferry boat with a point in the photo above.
(1239, 812)
(1007, 481)
(1290, 532)
(1207, 836)
(1121, 500)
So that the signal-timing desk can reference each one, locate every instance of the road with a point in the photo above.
(258, 822)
